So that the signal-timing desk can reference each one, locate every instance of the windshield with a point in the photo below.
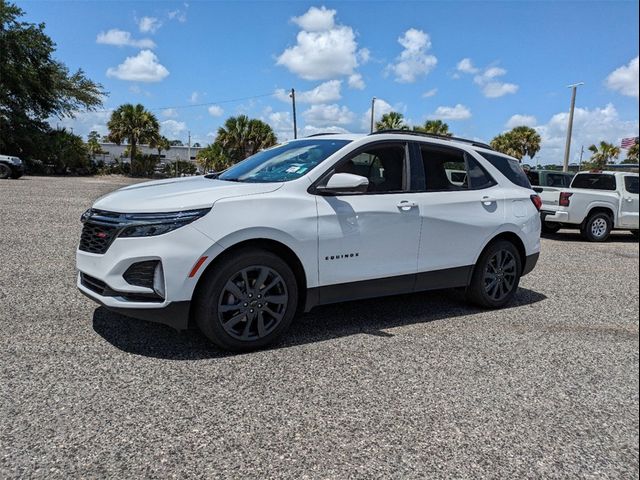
(284, 162)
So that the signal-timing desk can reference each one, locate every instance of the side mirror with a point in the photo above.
(344, 183)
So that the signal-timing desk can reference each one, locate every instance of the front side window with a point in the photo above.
(283, 162)
(383, 165)
(631, 184)
(558, 180)
(448, 169)
(594, 181)
(509, 167)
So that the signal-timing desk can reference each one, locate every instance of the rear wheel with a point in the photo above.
(496, 275)
(597, 227)
(248, 300)
(5, 171)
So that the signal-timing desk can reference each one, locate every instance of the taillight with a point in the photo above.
(564, 199)
(537, 201)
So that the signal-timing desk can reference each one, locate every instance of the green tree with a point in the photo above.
(212, 157)
(632, 154)
(176, 143)
(391, 121)
(161, 144)
(93, 143)
(603, 154)
(66, 152)
(436, 127)
(133, 124)
(241, 137)
(34, 86)
(518, 142)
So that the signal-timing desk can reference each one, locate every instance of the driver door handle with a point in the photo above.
(487, 199)
(406, 205)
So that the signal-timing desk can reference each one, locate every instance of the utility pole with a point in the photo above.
(293, 102)
(581, 152)
(373, 105)
(567, 148)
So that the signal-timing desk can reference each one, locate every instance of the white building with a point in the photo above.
(115, 153)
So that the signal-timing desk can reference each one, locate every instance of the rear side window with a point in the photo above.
(631, 184)
(594, 181)
(448, 169)
(534, 177)
(510, 168)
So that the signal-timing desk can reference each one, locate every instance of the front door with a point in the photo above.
(372, 235)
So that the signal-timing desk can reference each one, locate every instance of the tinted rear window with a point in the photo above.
(631, 184)
(594, 181)
(509, 168)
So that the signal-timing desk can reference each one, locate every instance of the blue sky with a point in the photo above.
(480, 66)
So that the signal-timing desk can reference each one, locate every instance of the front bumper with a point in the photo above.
(178, 252)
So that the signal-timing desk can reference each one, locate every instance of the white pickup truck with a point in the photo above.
(596, 203)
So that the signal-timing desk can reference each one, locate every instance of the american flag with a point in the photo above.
(629, 142)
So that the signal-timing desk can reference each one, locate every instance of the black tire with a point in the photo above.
(634, 233)
(597, 227)
(5, 171)
(550, 227)
(496, 275)
(236, 313)
(16, 175)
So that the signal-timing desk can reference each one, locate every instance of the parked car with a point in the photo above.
(549, 178)
(596, 203)
(313, 221)
(11, 167)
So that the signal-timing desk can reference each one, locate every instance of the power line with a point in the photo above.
(195, 105)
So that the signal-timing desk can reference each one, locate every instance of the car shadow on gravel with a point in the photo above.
(369, 317)
(574, 236)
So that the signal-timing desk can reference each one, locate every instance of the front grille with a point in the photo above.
(96, 238)
(141, 273)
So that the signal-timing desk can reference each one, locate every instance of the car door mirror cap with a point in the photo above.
(343, 183)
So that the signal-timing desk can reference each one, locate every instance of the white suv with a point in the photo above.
(313, 221)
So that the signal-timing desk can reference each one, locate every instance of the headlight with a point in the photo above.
(151, 224)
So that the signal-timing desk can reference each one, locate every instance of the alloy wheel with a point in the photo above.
(599, 227)
(253, 302)
(500, 275)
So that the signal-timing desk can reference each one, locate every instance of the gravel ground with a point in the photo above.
(416, 386)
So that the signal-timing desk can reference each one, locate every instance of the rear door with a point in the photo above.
(629, 202)
(458, 217)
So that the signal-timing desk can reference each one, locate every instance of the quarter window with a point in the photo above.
(631, 184)
(509, 167)
(448, 169)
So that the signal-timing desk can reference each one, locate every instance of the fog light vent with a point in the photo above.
(141, 274)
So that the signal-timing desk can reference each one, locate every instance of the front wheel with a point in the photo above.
(496, 276)
(248, 300)
(5, 171)
(597, 227)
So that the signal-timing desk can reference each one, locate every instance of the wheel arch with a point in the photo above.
(267, 244)
(606, 209)
(509, 236)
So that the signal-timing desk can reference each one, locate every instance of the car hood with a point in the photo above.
(177, 194)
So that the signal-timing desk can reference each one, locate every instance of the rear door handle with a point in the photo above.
(486, 199)
(406, 205)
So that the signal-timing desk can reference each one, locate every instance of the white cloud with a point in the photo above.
(215, 111)
(381, 107)
(492, 88)
(172, 128)
(311, 130)
(149, 24)
(364, 55)
(323, 49)
(518, 120)
(144, 67)
(178, 14)
(589, 127)
(430, 93)
(169, 113)
(316, 19)
(195, 97)
(326, 115)
(625, 79)
(459, 112)
(120, 38)
(414, 61)
(356, 82)
(324, 93)
(466, 66)
(84, 122)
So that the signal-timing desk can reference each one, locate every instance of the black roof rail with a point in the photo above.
(434, 135)
(321, 134)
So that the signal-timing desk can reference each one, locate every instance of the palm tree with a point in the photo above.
(632, 154)
(436, 127)
(391, 121)
(134, 124)
(160, 143)
(603, 154)
(93, 143)
(241, 137)
(518, 142)
(213, 158)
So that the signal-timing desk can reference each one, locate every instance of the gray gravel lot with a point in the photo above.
(416, 386)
